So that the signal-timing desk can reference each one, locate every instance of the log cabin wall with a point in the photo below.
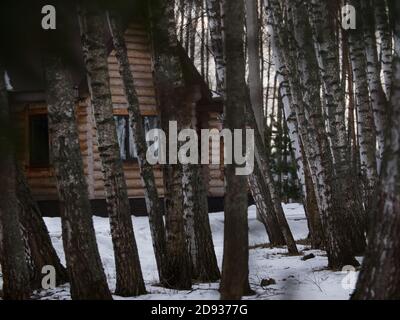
(41, 179)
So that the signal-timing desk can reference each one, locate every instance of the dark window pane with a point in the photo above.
(38, 141)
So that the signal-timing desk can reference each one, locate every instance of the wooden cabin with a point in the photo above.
(27, 99)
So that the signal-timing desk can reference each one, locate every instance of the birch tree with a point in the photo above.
(38, 244)
(85, 270)
(382, 27)
(169, 80)
(16, 284)
(153, 205)
(128, 271)
(377, 94)
(365, 125)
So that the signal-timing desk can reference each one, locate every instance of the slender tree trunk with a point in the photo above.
(169, 80)
(41, 250)
(254, 77)
(128, 272)
(215, 27)
(203, 42)
(85, 270)
(366, 127)
(16, 284)
(235, 267)
(265, 209)
(193, 29)
(378, 96)
(153, 205)
(380, 275)
(198, 230)
(385, 36)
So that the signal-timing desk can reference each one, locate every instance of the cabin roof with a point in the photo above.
(26, 42)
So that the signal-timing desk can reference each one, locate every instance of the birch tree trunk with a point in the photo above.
(170, 84)
(86, 273)
(195, 203)
(253, 49)
(153, 205)
(128, 272)
(215, 27)
(16, 284)
(380, 274)
(235, 269)
(385, 36)
(377, 95)
(366, 127)
(265, 209)
(41, 250)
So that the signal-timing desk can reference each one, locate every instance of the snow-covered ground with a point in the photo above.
(295, 279)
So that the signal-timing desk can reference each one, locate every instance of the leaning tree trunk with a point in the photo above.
(366, 127)
(327, 54)
(41, 250)
(153, 205)
(380, 274)
(265, 208)
(128, 271)
(235, 269)
(169, 80)
(303, 171)
(263, 163)
(16, 284)
(86, 273)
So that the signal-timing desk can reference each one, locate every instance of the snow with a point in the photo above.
(295, 279)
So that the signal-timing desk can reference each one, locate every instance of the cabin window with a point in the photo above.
(125, 135)
(38, 141)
